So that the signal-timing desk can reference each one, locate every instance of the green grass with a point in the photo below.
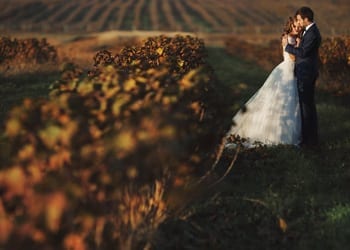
(14, 88)
(308, 189)
(240, 77)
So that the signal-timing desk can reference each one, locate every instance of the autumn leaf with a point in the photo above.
(38, 236)
(118, 103)
(13, 127)
(35, 173)
(85, 89)
(132, 172)
(282, 224)
(6, 227)
(168, 131)
(100, 225)
(180, 63)
(196, 107)
(130, 85)
(137, 105)
(58, 160)
(125, 141)
(160, 51)
(56, 203)
(95, 132)
(242, 86)
(74, 242)
(141, 79)
(69, 130)
(187, 82)
(50, 135)
(26, 152)
(15, 179)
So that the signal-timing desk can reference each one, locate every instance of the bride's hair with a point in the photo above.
(288, 27)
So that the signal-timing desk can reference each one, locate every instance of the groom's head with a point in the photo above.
(304, 16)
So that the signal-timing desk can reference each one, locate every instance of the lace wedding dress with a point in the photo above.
(272, 114)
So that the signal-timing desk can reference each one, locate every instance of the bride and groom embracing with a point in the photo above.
(283, 110)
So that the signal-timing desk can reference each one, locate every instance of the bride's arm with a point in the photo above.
(291, 41)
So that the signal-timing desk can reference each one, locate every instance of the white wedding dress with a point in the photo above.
(272, 114)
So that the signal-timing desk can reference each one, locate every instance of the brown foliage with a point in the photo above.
(26, 51)
(335, 65)
(91, 167)
(267, 56)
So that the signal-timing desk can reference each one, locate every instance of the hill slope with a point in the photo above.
(233, 16)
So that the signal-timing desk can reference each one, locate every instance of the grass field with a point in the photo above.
(273, 198)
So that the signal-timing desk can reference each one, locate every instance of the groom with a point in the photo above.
(306, 71)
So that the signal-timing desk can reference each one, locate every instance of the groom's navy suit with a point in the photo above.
(306, 71)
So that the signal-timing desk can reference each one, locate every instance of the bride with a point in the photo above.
(272, 114)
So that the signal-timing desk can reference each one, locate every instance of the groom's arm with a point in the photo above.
(304, 50)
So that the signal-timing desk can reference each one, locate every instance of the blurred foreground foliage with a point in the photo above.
(97, 165)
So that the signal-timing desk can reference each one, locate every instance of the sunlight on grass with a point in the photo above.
(242, 77)
(339, 214)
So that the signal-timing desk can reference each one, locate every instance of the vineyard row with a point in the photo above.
(179, 15)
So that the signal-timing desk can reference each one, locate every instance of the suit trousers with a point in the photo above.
(309, 123)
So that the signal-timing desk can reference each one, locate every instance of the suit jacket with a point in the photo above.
(307, 57)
